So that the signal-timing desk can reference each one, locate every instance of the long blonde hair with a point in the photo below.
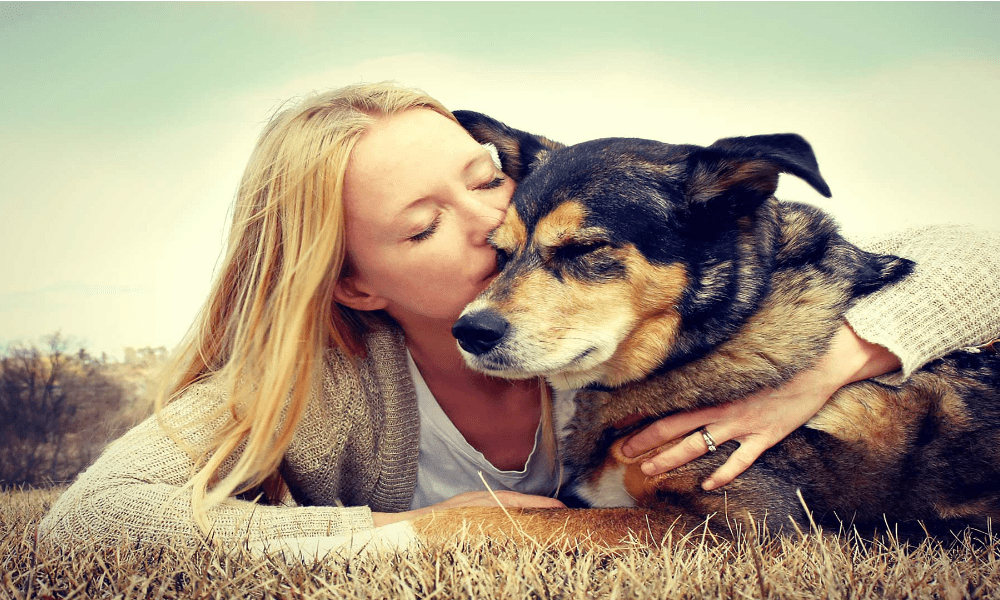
(271, 313)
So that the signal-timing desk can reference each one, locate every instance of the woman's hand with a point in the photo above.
(763, 419)
(507, 499)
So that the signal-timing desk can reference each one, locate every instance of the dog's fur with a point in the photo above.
(661, 278)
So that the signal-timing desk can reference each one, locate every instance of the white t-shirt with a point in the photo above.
(447, 465)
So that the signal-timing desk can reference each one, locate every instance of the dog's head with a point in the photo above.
(611, 247)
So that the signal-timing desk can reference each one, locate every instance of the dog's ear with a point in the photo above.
(520, 152)
(735, 175)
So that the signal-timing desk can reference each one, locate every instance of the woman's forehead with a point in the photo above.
(404, 156)
(395, 140)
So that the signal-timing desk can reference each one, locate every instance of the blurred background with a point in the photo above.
(125, 127)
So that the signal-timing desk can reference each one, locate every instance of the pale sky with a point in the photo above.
(125, 127)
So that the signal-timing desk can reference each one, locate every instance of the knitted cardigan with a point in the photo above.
(355, 449)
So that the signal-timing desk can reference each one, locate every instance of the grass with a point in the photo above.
(799, 567)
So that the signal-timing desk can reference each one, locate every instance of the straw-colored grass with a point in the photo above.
(799, 567)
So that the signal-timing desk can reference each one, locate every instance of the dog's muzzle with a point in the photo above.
(479, 332)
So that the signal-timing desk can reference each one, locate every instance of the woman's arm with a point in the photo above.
(135, 492)
(950, 301)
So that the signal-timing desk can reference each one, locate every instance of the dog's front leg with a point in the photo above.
(562, 528)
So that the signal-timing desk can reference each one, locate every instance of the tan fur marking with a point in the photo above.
(444, 525)
(550, 309)
(876, 417)
(638, 484)
(864, 414)
(560, 225)
(561, 528)
(511, 233)
(949, 386)
(951, 408)
(653, 291)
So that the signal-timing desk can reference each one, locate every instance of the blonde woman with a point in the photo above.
(324, 354)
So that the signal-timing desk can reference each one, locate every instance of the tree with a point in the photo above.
(55, 410)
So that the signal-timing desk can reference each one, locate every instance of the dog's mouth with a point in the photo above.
(500, 363)
(498, 366)
(509, 363)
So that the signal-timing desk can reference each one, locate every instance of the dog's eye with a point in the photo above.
(502, 257)
(575, 251)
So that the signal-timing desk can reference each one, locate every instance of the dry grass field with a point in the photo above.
(808, 566)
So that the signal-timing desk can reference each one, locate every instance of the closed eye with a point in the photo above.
(576, 251)
(428, 232)
(493, 183)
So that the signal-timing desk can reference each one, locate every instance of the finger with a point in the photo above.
(687, 450)
(738, 462)
(666, 429)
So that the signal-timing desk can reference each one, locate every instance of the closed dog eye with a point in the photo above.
(575, 251)
(590, 262)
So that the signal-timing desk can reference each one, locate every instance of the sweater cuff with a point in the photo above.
(948, 302)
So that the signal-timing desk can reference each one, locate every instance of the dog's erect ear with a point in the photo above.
(520, 152)
(735, 175)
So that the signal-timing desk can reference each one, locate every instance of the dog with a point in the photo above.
(658, 278)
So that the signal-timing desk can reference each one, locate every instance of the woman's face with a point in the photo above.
(421, 196)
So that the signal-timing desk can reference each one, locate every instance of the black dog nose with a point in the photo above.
(479, 332)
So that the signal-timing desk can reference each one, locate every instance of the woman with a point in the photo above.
(324, 352)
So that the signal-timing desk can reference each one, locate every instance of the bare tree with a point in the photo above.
(55, 407)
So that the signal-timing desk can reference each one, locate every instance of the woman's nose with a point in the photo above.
(484, 217)
(484, 221)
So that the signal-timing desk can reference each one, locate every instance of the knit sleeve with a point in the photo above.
(950, 301)
(135, 493)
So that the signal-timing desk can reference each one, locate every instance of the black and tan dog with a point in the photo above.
(661, 278)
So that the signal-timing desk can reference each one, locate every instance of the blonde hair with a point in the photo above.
(271, 314)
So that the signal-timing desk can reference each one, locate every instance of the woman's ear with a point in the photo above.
(348, 292)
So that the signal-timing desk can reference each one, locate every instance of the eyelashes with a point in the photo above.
(495, 183)
(426, 233)
(433, 227)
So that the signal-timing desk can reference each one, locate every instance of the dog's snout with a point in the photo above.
(479, 332)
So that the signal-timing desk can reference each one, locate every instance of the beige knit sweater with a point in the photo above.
(355, 450)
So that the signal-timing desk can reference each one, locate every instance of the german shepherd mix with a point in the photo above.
(661, 278)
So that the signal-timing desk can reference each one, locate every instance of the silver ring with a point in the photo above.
(709, 440)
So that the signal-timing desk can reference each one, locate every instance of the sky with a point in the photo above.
(125, 127)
